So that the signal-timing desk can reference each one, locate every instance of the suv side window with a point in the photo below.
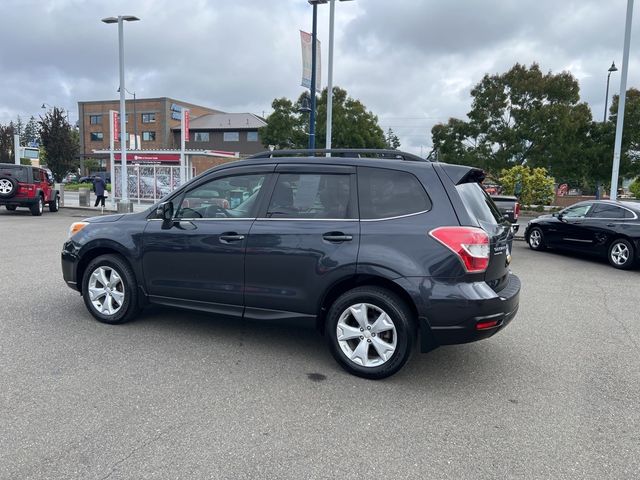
(388, 193)
(311, 195)
(228, 197)
(36, 175)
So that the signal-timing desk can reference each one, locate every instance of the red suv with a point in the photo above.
(25, 186)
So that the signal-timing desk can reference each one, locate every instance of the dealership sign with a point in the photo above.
(150, 157)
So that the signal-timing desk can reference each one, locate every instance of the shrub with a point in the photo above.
(536, 187)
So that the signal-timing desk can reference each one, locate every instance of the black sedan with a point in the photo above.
(603, 228)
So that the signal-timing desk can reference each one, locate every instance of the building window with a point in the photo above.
(201, 137)
(97, 136)
(148, 136)
(252, 136)
(95, 119)
(231, 136)
(148, 118)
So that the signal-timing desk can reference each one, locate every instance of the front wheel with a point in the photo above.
(621, 254)
(371, 332)
(536, 239)
(109, 290)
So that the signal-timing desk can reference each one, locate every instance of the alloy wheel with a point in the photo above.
(366, 334)
(5, 186)
(106, 290)
(535, 237)
(619, 254)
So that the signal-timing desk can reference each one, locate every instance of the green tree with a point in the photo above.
(6, 143)
(391, 139)
(31, 134)
(537, 187)
(353, 125)
(634, 188)
(60, 145)
(519, 117)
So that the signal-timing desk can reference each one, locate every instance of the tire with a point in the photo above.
(621, 254)
(54, 206)
(536, 239)
(100, 301)
(38, 208)
(8, 187)
(357, 350)
(11, 208)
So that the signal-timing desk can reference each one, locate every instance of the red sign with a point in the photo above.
(116, 127)
(150, 157)
(186, 125)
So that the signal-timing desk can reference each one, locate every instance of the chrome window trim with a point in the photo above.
(394, 218)
(200, 219)
(309, 219)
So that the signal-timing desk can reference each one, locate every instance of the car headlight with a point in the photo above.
(76, 227)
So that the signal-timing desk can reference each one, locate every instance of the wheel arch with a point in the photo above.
(360, 280)
(93, 253)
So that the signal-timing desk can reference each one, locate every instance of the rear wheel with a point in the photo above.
(536, 239)
(54, 205)
(621, 254)
(371, 332)
(109, 290)
(8, 187)
(38, 208)
(11, 208)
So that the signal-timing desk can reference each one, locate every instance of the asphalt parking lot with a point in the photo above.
(184, 395)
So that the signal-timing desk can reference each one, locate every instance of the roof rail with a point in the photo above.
(343, 152)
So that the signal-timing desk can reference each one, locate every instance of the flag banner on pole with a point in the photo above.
(116, 127)
(186, 125)
(305, 41)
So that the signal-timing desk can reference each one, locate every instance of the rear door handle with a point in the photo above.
(230, 237)
(337, 237)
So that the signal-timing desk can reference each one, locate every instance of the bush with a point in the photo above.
(536, 187)
(634, 188)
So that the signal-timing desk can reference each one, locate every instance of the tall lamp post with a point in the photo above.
(612, 69)
(135, 120)
(124, 205)
(332, 9)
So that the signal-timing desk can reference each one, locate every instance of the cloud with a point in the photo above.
(411, 62)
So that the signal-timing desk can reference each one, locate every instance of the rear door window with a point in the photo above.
(606, 211)
(36, 175)
(385, 193)
(17, 172)
(479, 204)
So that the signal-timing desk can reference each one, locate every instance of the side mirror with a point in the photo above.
(165, 211)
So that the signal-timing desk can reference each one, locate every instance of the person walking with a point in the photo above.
(99, 187)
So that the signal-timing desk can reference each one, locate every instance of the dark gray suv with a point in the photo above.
(384, 250)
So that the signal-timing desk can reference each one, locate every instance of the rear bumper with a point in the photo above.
(450, 313)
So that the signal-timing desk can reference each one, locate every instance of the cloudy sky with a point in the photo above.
(411, 62)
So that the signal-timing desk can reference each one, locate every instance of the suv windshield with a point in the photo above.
(15, 171)
(479, 204)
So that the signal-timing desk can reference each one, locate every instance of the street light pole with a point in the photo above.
(332, 12)
(612, 68)
(135, 120)
(312, 115)
(621, 103)
(124, 205)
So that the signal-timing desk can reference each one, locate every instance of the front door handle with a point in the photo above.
(229, 237)
(337, 237)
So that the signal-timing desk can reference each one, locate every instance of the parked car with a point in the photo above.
(379, 252)
(508, 206)
(26, 186)
(600, 227)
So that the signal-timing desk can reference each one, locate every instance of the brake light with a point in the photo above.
(486, 325)
(26, 189)
(516, 212)
(470, 244)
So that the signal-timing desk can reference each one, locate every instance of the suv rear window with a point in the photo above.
(17, 172)
(388, 193)
(479, 203)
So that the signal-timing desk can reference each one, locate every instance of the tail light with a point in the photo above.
(516, 211)
(470, 244)
(27, 190)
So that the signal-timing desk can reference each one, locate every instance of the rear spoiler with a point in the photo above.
(460, 174)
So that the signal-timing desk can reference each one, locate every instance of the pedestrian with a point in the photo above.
(99, 187)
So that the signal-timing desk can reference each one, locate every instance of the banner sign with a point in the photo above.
(116, 126)
(150, 157)
(176, 110)
(305, 41)
(186, 125)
